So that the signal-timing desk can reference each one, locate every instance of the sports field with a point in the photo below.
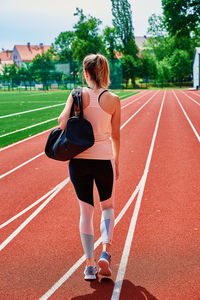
(155, 249)
(23, 114)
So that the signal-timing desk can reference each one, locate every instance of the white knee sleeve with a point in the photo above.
(107, 221)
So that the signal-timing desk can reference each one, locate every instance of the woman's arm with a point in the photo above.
(115, 133)
(64, 116)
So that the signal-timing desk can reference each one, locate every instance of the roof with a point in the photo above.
(28, 52)
(5, 55)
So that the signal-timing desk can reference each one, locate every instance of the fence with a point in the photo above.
(63, 75)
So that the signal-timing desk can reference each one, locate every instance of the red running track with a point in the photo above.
(155, 248)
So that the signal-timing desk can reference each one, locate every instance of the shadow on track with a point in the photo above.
(133, 292)
(104, 289)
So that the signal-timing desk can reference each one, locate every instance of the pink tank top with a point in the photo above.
(101, 123)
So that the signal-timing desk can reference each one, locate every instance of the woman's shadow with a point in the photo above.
(103, 290)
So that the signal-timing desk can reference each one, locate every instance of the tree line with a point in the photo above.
(166, 58)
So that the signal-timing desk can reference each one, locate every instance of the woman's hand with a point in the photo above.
(62, 120)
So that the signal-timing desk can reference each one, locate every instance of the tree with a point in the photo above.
(130, 68)
(25, 74)
(122, 21)
(42, 68)
(149, 69)
(5, 73)
(160, 47)
(163, 72)
(156, 26)
(112, 43)
(181, 65)
(85, 39)
(62, 45)
(181, 17)
(10, 74)
(86, 36)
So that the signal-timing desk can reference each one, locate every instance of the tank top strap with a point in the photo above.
(94, 96)
(104, 90)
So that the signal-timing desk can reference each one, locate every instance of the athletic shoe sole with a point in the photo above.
(104, 268)
(90, 277)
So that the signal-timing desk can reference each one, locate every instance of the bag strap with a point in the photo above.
(77, 97)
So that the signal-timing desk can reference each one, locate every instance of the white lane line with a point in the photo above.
(33, 215)
(135, 100)
(19, 166)
(196, 94)
(188, 119)
(24, 140)
(139, 110)
(31, 110)
(26, 162)
(31, 206)
(79, 262)
(190, 98)
(128, 243)
(25, 128)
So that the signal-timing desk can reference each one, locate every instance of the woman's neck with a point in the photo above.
(93, 85)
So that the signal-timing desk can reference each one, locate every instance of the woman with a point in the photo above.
(99, 164)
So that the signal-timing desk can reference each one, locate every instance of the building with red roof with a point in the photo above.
(26, 53)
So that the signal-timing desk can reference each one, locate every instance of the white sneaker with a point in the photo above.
(90, 273)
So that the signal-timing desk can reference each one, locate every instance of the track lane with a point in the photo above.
(194, 95)
(191, 108)
(189, 96)
(164, 255)
(126, 251)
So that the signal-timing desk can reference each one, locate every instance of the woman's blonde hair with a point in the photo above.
(98, 68)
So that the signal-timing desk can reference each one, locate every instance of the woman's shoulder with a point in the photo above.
(113, 96)
(109, 102)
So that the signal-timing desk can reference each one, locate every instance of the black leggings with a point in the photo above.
(83, 173)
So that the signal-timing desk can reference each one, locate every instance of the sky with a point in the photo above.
(41, 21)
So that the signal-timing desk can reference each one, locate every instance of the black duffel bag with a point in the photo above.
(78, 136)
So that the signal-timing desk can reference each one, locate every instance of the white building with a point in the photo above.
(196, 69)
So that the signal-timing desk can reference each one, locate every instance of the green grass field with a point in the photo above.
(16, 127)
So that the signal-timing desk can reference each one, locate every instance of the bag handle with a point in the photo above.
(77, 97)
